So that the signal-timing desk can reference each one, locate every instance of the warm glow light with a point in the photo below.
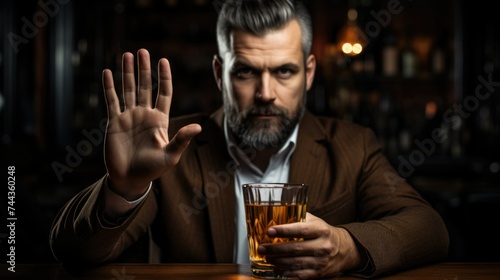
(347, 48)
(357, 48)
(431, 108)
(350, 37)
(352, 14)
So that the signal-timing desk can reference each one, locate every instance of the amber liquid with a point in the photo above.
(261, 217)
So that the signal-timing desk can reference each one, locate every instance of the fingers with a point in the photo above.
(297, 258)
(312, 232)
(313, 227)
(179, 143)
(128, 80)
(165, 90)
(145, 86)
(295, 230)
(313, 247)
(112, 101)
(143, 96)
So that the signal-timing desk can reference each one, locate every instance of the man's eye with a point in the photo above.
(284, 72)
(245, 73)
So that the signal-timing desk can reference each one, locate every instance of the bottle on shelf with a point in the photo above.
(437, 55)
(408, 59)
(390, 55)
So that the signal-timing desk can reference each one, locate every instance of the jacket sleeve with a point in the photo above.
(397, 227)
(80, 236)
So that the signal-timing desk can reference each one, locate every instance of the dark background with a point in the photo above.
(52, 54)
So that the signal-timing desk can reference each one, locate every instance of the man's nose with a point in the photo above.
(265, 90)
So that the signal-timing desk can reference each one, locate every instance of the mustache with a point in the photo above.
(268, 109)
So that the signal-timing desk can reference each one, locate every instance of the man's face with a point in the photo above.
(265, 79)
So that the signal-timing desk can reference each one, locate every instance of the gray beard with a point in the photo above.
(262, 134)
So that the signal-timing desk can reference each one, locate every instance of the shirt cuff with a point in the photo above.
(115, 206)
(368, 268)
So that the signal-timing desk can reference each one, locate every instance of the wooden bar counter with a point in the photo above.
(439, 271)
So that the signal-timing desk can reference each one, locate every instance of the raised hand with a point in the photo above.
(137, 148)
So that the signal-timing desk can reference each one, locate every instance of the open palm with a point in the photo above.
(137, 147)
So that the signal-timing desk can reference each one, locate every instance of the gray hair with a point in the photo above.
(260, 17)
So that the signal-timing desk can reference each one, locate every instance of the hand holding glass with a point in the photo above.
(266, 205)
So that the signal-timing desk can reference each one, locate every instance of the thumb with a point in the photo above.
(180, 141)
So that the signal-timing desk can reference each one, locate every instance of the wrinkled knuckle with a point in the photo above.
(297, 263)
(325, 231)
(319, 264)
(325, 250)
(304, 231)
(297, 249)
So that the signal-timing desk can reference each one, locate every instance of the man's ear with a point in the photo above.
(217, 69)
(310, 70)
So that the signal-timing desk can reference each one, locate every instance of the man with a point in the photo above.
(179, 200)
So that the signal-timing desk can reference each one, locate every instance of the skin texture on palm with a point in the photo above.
(137, 148)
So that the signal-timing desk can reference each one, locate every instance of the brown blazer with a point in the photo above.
(189, 215)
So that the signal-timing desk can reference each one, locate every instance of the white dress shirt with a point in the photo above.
(246, 172)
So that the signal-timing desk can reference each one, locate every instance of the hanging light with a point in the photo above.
(350, 37)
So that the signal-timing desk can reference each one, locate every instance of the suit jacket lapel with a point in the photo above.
(309, 152)
(218, 187)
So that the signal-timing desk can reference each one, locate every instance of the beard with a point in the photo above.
(258, 133)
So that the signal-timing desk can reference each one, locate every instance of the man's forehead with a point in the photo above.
(283, 42)
(289, 34)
